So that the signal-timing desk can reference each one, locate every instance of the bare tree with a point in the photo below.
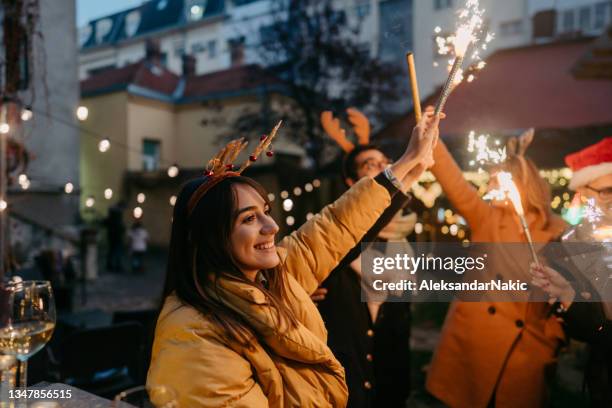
(314, 47)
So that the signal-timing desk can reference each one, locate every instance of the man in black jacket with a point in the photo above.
(370, 339)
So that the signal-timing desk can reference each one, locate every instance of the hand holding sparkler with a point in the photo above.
(418, 154)
(553, 283)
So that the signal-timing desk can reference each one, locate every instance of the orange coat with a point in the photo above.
(485, 347)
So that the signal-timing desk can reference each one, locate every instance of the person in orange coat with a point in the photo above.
(497, 354)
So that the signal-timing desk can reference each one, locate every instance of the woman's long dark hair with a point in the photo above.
(200, 253)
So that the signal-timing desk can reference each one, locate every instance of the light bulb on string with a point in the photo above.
(25, 185)
(69, 188)
(297, 191)
(137, 212)
(26, 113)
(271, 197)
(90, 202)
(287, 204)
(172, 200)
(104, 145)
(4, 128)
(3, 204)
(22, 178)
(82, 113)
(290, 220)
(141, 198)
(173, 171)
(308, 187)
(284, 194)
(108, 193)
(316, 183)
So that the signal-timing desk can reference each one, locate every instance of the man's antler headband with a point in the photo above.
(221, 166)
(360, 123)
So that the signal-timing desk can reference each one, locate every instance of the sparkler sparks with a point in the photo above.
(484, 154)
(469, 31)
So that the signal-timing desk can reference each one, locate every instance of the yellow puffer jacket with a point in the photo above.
(283, 368)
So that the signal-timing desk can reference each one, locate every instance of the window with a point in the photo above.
(97, 70)
(363, 9)
(197, 47)
(568, 21)
(236, 46)
(212, 48)
(442, 4)
(150, 154)
(509, 28)
(585, 18)
(601, 14)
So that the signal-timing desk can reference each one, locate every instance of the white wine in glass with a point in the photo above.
(27, 320)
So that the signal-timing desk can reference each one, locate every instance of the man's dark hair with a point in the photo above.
(349, 167)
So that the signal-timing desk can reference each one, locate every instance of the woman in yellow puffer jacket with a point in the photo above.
(238, 327)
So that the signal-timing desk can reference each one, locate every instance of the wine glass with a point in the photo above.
(157, 396)
(27, 320)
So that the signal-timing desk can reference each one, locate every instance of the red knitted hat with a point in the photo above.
(590, 163)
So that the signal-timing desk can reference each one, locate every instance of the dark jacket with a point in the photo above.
(577, 259)
(375, 355)
(586, 322)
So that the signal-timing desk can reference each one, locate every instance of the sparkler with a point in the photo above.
(508, 188)
(484, 154)
(468, 32)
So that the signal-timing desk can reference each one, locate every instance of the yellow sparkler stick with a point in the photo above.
(414, 86)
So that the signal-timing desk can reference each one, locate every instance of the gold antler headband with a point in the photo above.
(221, 166)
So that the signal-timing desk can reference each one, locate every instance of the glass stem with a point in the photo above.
(23, 374)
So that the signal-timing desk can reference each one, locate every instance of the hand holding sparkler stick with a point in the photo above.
(418, 155)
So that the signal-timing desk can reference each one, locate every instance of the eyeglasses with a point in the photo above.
(373, 164)
(604, 193)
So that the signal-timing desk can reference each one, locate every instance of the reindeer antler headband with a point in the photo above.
(517, 146)
(360, 123)
(221, 167)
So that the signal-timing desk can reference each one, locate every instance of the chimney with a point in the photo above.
(189, 65)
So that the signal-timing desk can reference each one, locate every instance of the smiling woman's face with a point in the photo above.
(253, 233)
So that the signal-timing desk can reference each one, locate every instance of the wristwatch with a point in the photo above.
(394, 180)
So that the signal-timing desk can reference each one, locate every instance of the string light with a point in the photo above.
(108, 193)
(82, 113)
(308, 187)
(173, 171)
(316, 183)
(68, 188)
(309, 215)
(284, 194)
(290, 220)
(104, 145)
(26, 113)
(4, 128)
(418, 228)
(141, 198)
(3, 205)
(271, 197)
(287, 204)
(137, 212)
(297, 191)
(172, 200)
(90, 202)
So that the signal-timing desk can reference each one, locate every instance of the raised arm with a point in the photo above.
(319, 245)
(462, 195)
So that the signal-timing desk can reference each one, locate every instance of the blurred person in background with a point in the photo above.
(586, 308)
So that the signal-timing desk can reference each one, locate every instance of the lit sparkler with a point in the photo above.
(469, 32)
(507, 189)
